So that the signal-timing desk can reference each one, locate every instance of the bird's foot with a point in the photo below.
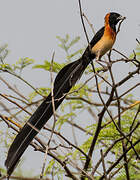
(108, 64)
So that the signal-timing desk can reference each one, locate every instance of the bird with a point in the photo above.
(101, 43)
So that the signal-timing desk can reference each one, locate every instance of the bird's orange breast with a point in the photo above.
(105, 43)
(109, 32)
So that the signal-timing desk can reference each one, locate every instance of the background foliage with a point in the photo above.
(81, 110)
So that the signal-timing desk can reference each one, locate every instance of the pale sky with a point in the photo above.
(30, 27)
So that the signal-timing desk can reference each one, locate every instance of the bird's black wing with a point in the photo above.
(94, 40)
(97, 37)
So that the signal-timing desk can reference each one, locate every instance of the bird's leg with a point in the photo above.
(98, 60)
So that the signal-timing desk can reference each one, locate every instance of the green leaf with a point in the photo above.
(42, 90)
(5, 67)
(64, 118)
(80, 51)
(137, 53)
(24, 62)
(74, 41)
(56, 67)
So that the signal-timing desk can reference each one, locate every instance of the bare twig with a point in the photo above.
(119, 159)
(19, 77)
(12, 88)
(53, 106)
(81, 15)
(138, 41)
(4, 96)
(103, 164)
(91, 25)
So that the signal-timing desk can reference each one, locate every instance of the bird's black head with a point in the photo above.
(113, 18)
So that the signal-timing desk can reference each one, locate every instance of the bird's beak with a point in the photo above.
(121, 18)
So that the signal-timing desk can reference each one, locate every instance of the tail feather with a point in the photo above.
(64, 81)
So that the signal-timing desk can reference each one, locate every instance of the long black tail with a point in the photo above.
(64, 81)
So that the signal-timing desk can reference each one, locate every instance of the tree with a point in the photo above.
(101, 111)
(113, 111)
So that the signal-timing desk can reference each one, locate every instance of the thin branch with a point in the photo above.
(81, 15)
(21, 178)
(53, 106)
(119, 124)
(26, 82)
(38, 148)
(138, 41)
(91, 25)
(119, 159)
(120, 53)
(98, 126)
(67, 141)
(13, 89)
(103, 164)
(111, 146)
(126, 92)
(5, 97)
